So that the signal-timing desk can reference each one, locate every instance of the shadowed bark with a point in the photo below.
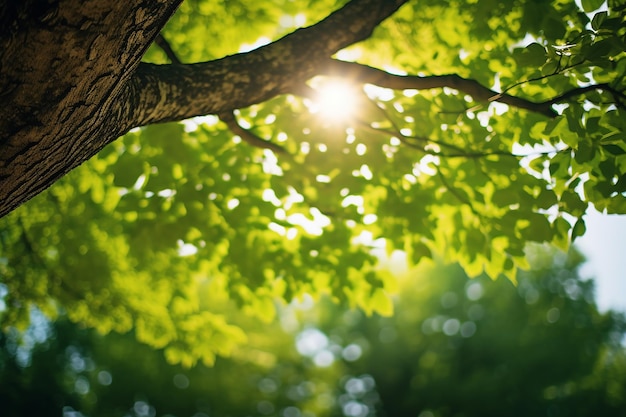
(61, 76)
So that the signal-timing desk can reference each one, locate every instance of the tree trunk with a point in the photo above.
(61, 72)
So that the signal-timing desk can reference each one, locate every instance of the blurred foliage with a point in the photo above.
(455, 347)
(483, 348)
(173, 228)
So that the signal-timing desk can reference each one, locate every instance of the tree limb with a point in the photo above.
(371, 75)
(366, 74)
(228, 117)
(160, 93)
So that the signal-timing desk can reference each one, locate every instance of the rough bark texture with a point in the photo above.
(71, 80)
(61, 74)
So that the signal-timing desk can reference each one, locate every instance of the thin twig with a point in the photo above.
(617, 95)
(165, 46)
(461, 152)
(456, 194)
(231, 121)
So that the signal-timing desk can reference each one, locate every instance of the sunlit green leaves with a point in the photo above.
(534, 55)
(591, 5)
(174, 225)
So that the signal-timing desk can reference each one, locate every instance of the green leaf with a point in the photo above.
(592, 124)
(534, 55)
(620, 185)
(605, 188)
(585, 152)
(575, 124)
(572, 203)
(539, 228)
(551, 125)
(561, 229)
(600, 49)
(598, 19)
(579, 229)
(551, 67)
(505, 197)
(127, 170)
(418, 251)
(612, 138)
(546, 199)
(591, 5)
(608, 168)
(616, 205)
(614, 149)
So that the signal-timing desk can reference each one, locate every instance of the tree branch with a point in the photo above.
(618, 96)
(228, 117)
(231, 121)
(366, 74)
(160, 93)
(167, 49)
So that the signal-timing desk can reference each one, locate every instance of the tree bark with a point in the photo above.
(71, 79)
(61, 73)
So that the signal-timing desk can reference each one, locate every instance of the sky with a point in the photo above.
(604, 245)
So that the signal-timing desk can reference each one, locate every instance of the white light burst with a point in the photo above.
(335, 100)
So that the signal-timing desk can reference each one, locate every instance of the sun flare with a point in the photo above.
(335, 100)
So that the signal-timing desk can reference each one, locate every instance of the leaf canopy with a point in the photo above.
(173, 224)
